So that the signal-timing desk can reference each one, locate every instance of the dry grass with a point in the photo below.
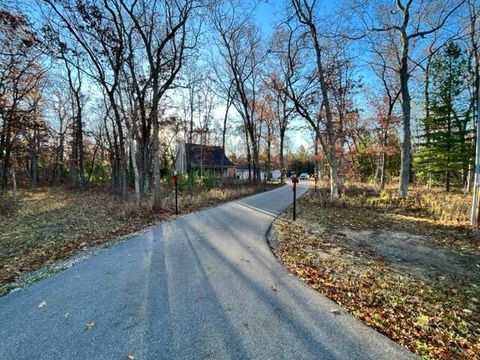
(435, 203)
(444, 218)
(51, 224)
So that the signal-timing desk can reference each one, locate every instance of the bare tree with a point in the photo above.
(61, 114)
(74, 79)
(280, 76)
(304, 12)
(163, 30)
(225, 88)
(409, 20)
(240, 48)
(97, 32)
(384, 55)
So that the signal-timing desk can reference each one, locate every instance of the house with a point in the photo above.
(203, 158)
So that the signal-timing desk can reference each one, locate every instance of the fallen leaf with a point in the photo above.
(42, 304)
(130, 357)
(67, 315)
(274, 288)
(335, 312)
(89, 325)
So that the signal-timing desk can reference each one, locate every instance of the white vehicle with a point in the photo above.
(303, 176)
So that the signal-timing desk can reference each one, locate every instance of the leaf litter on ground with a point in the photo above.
(425, 315)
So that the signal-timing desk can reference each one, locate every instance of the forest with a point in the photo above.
(102, 92)
(377, 103)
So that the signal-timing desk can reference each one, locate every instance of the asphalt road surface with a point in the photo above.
(203, 286)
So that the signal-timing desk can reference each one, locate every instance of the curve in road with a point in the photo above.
(203, 286)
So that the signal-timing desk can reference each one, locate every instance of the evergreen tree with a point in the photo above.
(446, 149)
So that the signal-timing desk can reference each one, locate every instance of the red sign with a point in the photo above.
(174, 180)
(294, 182)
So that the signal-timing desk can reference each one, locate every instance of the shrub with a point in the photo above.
(208, 181)
(183, 182)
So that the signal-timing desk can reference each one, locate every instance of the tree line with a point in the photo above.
(94, 91)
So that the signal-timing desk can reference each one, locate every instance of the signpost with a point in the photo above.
(294, 189)
(175, 182)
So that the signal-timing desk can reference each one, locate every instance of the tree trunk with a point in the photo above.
(331, 138)
(33, 170)
(406, 109)
(133, 152)
(123, 163)
(317, 161)
(92, 166)
(224, 133)
(14, 179)
(382, 170)
(145, 161)
(449, 137)
(157, 198)
(256, 165)
(79, 135)
(6, 152)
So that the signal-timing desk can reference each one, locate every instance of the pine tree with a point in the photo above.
(446, 148)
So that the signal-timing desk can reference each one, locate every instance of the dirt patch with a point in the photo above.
(414, 254)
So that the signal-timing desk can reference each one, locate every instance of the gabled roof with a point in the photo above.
(212, 156)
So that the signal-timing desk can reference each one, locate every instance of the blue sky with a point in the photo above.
(269, 12)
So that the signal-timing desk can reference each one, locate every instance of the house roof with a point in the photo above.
(212, 156)
(244, 167)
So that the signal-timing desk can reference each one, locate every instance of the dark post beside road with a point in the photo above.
(294, 182)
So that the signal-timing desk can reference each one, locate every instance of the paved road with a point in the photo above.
(204, 286)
